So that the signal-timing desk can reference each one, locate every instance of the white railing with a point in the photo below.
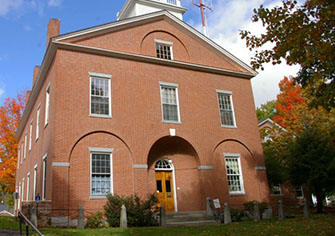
(172, 2)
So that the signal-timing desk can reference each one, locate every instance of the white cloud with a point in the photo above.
(54, 3)
(8, 5)
(224, 25)
(27, 28)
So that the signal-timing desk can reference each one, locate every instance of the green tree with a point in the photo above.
(267, 110)
(302, 35)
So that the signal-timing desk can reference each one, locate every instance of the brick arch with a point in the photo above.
(168, 33)
(234, 140)
(96, 132)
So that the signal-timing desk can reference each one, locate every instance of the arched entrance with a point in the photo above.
(165, 184)
(173, 174)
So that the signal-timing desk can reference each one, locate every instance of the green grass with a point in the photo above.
(317, 225)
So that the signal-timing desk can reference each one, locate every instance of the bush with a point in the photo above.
(95, 220)
(139, 212)
(249, 206)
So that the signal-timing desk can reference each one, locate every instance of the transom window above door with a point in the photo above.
(163, 165)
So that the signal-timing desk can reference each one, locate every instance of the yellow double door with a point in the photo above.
(164, 185)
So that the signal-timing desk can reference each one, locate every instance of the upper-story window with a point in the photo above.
(170, 104)
(164, 49)
(47, 104)
(30, 134)
(234, 173)
(100, 91)
(174, 2)
(38, 122)
(226, 108)
(25, 146)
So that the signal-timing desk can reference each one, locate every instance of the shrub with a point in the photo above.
(95, 220)
(139, 212)
(249, 206)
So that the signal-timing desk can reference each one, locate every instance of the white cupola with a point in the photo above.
(140, 7)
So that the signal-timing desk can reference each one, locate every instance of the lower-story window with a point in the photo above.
(234, 173)
(101, 172)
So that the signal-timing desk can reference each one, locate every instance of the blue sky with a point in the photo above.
(23, 25)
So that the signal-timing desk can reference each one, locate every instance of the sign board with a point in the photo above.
(16, 195)
(216, 203)
(38, 199)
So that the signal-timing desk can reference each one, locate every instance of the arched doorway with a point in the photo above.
(165, 184)
(173, 172)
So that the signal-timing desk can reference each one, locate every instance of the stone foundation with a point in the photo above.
(43, 212)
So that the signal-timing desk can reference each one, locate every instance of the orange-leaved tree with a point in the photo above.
(10, 116)
(289, 98)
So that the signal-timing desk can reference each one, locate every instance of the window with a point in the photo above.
(47, 105)
(35, 178)
(169, 97)
(100, 95)
(22, 195)
(276, 190)
(22, 152)
(234, 173)
(25, 146)
(44, 176)
(226, 108)
(30, 134)
(28, 182)
(19, 202)
(164, 50)
(299, 192)
(18, 157)
(101, 172)
(174, 2)
(38, 122)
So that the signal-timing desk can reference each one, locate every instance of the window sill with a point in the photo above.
(228, 126)
(36, 140)
(45, 125)
(237, 194)
(98, 197)
(171, 122)
(100, 116)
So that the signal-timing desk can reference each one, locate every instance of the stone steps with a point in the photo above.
(189, 218)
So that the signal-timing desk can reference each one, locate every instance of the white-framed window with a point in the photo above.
(22, 152)
(38, 122)
(100, 95)
(35, 179)
(22, 195)
(44, 176)
(164, 49)
(299, 192)
(226, 108)
(19, 200)
(101, 172)
(28, 182)
(30, 134)
(47, 105)
(276, 190)
(234, 173)
(170, 103)
(25, 146)
(18, 156)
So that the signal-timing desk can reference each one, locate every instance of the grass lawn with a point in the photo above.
(317, 225)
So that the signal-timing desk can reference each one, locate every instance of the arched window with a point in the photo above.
(163, 165)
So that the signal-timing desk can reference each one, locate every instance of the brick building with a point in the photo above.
(141, 105)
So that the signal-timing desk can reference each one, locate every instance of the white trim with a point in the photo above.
(108, 151)
(6, 212)
(205, 168)
(35, 180)
(22, 196)
(175, 86)
(25, 146)
(167, 43)
(61, 164)
(44, 172)
(230, 94)
(100, 75)
(19, 200)
(38, 114)
(30, 135)
(140, 166)
(238, 157)
(97, 149)
(106, 77)
(28, 183)
(47, 105)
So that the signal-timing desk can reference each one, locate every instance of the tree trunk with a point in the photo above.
(319, 198)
